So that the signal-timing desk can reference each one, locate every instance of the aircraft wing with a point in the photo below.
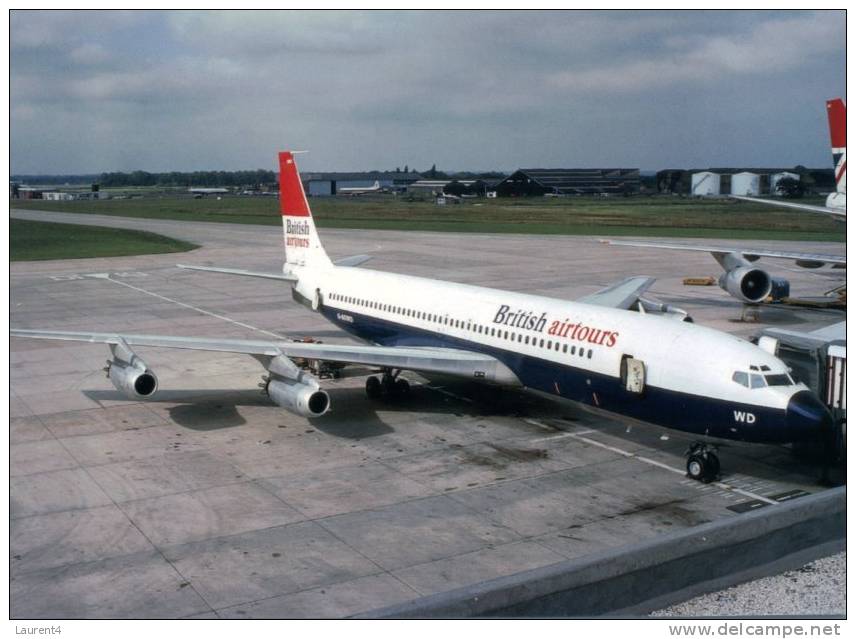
(814, 259)
(794, 205)
(622, 294)
(429, 360)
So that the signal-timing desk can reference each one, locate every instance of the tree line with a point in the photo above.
(252, 179)
(194, 178)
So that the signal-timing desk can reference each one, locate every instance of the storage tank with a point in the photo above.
(745, 184)
(777, 177)
(705, 183)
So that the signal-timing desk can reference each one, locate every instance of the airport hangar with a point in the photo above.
(210, 501)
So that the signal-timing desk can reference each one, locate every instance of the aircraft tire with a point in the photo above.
(696, 467)
(374, 390)
(402, 387)
(713, 467)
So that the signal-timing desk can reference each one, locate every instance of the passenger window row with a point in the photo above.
(492, 331)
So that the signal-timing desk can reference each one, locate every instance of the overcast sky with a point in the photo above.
(160, 91)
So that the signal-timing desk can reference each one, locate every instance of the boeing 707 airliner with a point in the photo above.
(613, 350)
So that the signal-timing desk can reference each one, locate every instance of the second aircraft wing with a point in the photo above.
(835, 213)
(813, 259)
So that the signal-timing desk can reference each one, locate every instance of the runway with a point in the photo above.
(210, 501)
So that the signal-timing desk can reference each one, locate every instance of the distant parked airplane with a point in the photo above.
(359, 190)
(198, 190)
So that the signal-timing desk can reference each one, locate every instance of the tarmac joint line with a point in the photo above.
(680, 471)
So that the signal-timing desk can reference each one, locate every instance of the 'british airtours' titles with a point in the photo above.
(578, 331)
(296, 228)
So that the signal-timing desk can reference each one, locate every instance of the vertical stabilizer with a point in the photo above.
(302, 246)
(836, 110)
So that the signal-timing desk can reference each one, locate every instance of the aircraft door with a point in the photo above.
(633, 374)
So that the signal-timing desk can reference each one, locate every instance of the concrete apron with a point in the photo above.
(638, 578)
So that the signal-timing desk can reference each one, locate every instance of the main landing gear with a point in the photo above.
(702, 462)
(388, 386)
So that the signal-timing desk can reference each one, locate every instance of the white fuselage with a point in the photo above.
(568, 349)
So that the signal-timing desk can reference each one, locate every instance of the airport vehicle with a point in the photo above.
(613, 350)
(836, 203)
(359, 190)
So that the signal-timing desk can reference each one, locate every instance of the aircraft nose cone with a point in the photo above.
(807, 417)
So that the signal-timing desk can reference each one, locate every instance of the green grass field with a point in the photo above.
(44, 241)
(656, 216)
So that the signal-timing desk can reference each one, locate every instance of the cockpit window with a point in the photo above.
(779, 380)
(754, 380)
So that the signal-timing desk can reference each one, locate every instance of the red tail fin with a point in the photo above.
(302, 246)
(837, 112)
(292, 199)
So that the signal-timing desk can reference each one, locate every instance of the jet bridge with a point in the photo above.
(817, 358)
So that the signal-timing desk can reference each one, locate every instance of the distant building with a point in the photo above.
(524, 182)
(778, 177)
(450, 187)
(746, 183)
(320, 184)
(705, 183)
(681, 180)
(30, 193)
(57, 195)
(673, 181)
(427, 187)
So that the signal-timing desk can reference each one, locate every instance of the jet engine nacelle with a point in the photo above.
(135, 380)
(294, 389)
(301, 399)
(130, 374)
(837, 201)
(659, 308)
(747, 284)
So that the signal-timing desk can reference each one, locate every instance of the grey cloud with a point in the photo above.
(774, 47)
(188, 90)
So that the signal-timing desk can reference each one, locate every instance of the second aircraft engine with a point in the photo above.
(747, 284)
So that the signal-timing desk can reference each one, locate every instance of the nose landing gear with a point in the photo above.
(388, 386)
(702, 462)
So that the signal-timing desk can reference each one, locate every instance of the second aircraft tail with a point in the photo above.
(836, 110)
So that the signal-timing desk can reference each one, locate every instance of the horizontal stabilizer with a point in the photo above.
(238, 271)
(353, 260)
